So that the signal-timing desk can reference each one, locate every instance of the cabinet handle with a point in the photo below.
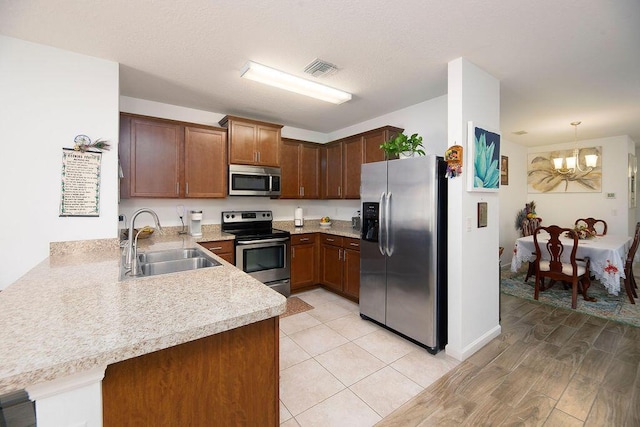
(293, 252)
(339, 254)
(329, 240)
(354, 244)
(187, 188)
(304, 239)
(302, 191)
(339, 191)
(177, 188)
(217, 248)
(258, 156)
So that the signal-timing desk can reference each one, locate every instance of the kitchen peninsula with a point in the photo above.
(200, 343)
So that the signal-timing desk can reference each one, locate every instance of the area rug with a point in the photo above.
(617, 308)
(295, 305)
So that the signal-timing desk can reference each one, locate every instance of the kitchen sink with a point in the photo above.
(170, 255)
(170, 261)
(163, 267)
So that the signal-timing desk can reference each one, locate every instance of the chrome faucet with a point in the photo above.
(131, 260)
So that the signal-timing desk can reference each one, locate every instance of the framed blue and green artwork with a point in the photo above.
(483, 173)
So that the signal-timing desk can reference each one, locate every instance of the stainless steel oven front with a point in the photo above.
(267, 260)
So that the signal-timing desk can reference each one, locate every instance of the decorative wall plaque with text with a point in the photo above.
(80, 183)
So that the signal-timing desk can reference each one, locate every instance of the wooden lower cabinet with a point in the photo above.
(223, 248)
(304, 260)
(231, 378)
(351, 258)
(331, 262)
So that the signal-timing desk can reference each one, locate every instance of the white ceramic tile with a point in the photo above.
(284, 413)
(386, 345)
(297, 322)
(424, 368)
(306, 384)
(290, 423)
(318, 296)
(340, 410)
(350, 363)
(318, 340)
(291, 353)
(352, 326)
(348, 304)
(386, 390)
(328, 311)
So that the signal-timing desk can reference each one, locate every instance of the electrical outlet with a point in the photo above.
(611, 195)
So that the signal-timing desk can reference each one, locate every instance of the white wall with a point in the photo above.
(474, 293)
(48, 96)
(564, 208)
(512, 196)
(428, 119)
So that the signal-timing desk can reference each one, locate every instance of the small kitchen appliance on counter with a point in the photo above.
(195, 223)
(298, 219)
(355, 221)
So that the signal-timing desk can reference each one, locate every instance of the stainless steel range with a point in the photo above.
(262, 251)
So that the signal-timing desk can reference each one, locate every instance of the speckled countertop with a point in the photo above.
(70, 313)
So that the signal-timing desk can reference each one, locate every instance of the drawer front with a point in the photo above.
(302, 239)
(219, 247)
(329, 239)
(353, 244)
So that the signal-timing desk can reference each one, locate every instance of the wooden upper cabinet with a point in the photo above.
(352, 149)
(170, 159)
(300, 169)
(156, 158)
(252, 142)
(372, 140)
(332, 170)
(205, 165)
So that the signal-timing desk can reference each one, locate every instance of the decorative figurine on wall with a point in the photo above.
(453, 157)
(83, 143)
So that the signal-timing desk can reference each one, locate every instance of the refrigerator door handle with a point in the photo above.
(381, 224)
(387, 226)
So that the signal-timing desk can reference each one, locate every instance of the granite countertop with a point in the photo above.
(70, 313)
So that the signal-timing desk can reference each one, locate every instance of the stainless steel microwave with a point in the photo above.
(245, 180)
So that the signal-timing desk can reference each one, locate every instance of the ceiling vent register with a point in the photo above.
(320, 68)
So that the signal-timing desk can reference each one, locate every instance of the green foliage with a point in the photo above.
(403, 143)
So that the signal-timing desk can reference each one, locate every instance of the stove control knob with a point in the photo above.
(227, 216)
(233, 216)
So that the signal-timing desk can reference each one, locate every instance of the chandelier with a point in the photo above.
(571, 164)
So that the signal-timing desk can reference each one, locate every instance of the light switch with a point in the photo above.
(468, 223)
(611, 195)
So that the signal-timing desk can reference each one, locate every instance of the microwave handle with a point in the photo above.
(270, 182)
(252, 242)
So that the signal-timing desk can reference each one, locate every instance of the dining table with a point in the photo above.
(607, 254)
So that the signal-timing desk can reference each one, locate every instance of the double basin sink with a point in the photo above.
(171, 261)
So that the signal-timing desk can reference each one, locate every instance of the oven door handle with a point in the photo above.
(253, 242)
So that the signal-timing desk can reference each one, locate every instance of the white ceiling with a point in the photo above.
(558, 60)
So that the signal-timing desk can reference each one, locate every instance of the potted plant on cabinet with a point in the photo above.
(408, 146)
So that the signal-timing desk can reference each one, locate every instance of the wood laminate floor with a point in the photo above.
(549, 367)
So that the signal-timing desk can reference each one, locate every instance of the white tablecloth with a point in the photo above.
(607, 253)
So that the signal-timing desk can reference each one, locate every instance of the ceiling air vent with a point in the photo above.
(320, 68)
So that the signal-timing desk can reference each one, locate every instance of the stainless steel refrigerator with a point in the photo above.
(403, 248)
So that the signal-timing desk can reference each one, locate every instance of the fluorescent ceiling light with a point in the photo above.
(279, 79)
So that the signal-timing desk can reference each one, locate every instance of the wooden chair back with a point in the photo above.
(593, 224)
(549, 263)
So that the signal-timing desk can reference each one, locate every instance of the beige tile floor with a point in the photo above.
(339, 370)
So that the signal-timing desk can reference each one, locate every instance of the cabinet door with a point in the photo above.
(331, 266)
(332, 171)
(289, 165)
(205, 171)
(267, 146)
(351, 167)
(155, 158)
(309, 175)
(303, 265)
(242, 143)
(351, 272)
(371, 145)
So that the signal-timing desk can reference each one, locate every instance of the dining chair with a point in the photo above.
(548, 263)
(529, 225)
(629, 281)
(592, 225)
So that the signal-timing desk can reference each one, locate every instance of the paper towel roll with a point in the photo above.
(298, 220)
